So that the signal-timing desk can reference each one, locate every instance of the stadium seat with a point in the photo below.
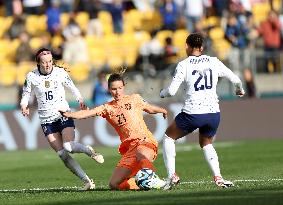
(216, 33)
(179, 37)
(64, 19)
(8, 75)
(22, 70)
(35, 24)
(162, 35)
(5, 23)
(82, 18)
(35, 43)
(56, 41)
(260, 11)
(79, 72)
(97, 57)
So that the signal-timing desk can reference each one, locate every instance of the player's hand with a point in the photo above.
(240, 92)
(165, 114)
(25, 111)
(83, 105)
(64, 113)
(160, 93)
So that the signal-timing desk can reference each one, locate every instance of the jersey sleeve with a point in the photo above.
(178, 78)
(68, 83)
(140, 102)
(101, 110)
(26, 91)
(227, 73)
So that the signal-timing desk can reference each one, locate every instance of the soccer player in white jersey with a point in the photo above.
(200, 75)
(48, 82)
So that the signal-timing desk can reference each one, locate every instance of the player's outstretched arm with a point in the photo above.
(152, 109)
(82, 114)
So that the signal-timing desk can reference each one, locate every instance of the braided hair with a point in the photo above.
(195, 40)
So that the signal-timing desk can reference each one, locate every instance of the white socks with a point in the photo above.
(72, 165)
(76, 147)
(211, 157)
(169, 154)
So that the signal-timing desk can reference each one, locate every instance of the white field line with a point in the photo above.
(236, 180)
(75, 189)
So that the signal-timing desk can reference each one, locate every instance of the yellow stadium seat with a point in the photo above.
(216, 33)
(23, 68)
(35, 43)
(115, 60)
(8, 75)
(64, 19)
(260, 12)
(79, 72)
(5, 23)
(142, 37)
(82, 18)
(36, 24)
(97, 57)
(162, 35)
(105, 17)
(57, 41)
(179, 37)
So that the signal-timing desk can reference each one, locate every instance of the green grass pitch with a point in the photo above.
(256, 168)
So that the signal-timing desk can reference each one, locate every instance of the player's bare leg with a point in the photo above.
(119, 179)
(212, 159)
(56, 142)
(72, 146)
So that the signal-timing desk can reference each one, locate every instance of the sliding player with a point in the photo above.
(138, 146)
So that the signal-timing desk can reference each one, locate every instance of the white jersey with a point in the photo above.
(200, 75)
(50, 93)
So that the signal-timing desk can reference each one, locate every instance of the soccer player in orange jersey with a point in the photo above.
(138, 146)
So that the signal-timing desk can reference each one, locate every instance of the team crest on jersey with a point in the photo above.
(47, 84)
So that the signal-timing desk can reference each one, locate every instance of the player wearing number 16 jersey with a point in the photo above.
(48, 82)
(200, 75)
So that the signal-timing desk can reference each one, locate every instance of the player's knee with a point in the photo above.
(68, 146)
(63, 154)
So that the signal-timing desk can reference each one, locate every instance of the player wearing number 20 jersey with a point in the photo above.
(200, 74)
(201, 111)
(49, 92)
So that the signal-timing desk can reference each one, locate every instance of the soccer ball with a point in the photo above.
(145, 178)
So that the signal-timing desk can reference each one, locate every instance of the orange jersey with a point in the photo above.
(126, 116)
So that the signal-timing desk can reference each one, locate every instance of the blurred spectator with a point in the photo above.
(100, 92)
(94, 25)
(169, 12)
(75, 48)
(249, 83)
(71, 26)
(237, 34)
(194, 11)
(116, 9)
(170, 53)
(53, 17)
(151, 53)
(270, 32)
(144, 5)
(13, 7)
(67, 6)
(24, 51)
(32, 6)
(17, 27)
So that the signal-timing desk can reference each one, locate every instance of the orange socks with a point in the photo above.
(129, 184)
(145, 163)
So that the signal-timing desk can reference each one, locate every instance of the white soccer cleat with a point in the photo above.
(158, 183)
(219, 181)
(90, 185)
(172, 181)
(95, 155)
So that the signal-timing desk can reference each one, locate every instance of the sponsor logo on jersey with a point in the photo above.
(47, 84)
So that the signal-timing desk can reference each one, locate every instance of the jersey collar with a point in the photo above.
(42, 73)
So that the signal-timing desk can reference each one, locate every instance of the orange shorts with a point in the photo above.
(129, 159)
